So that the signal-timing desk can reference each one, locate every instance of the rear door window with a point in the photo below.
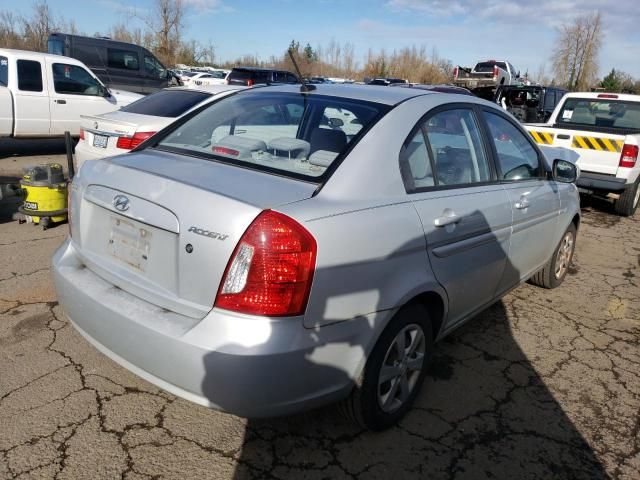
(124, 59)
(456, 148)
(166, 103)
(517, 159)
(74, 80)
(29, 76)
(4, 71)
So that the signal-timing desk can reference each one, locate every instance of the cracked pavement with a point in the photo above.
(544, 384)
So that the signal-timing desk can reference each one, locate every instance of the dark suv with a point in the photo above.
(249, 76)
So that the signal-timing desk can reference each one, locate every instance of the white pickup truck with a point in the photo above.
(43, 95)
(603, 129)
(486, 74)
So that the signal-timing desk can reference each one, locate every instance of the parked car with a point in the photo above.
(123, 130)
(207, 78)
(387, 81)
(602, 130)
(249, 76)
(119, 65)
(529, 103)
(44, 95)
(443, 88)
(255, 259)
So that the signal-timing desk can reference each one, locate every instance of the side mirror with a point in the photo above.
(565, 172)
(335, 123)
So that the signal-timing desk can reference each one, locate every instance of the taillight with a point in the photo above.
(629, 156)
(250, 83)
(81, 134)
(455, 73)
(495, 72)
(128, 143)
(271, 269)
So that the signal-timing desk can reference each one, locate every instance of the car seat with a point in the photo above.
(326, 139)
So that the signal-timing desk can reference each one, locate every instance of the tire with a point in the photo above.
(553, 273)
(366, 404)
(628, 202)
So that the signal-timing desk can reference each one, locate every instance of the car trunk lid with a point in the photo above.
(163, 226)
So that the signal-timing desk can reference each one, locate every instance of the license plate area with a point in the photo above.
(100, 141)
(130, 243)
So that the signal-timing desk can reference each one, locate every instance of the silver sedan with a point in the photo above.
(287, 247)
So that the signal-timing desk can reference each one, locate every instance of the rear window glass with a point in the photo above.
(288, 133)
(487, 67)
(4, 71)
(600, 112)
(29, 76)
(166, 103)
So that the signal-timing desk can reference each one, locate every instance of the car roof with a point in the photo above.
(28, 54)
(370, 93)
(261, 69)
(212, 89)
(597, 95)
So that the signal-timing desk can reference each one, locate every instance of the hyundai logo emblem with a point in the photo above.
(120, 202)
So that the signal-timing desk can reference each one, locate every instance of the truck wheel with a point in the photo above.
(554, 271)
(627, 204)
(394, 371)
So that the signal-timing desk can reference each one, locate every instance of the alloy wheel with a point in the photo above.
(401, 368)
(564, 255)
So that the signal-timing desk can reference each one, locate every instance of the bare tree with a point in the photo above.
(37, 28)
(575, 57)
(164, 24)
(10, 37)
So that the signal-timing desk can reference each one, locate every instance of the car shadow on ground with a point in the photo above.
(483, 411)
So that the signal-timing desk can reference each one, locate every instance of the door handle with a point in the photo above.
(449, 218)
(60, 102)
(522, 204)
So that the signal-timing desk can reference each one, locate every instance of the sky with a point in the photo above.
(463, 31)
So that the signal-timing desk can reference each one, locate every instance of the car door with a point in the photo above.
(32, 109)
(75, 92)
(534, 198)
(6, 100)
(465, 212)
(123, 70)
(155, 74)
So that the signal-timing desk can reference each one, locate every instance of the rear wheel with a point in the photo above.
(554, 271)
(394, 371)
(628, 202)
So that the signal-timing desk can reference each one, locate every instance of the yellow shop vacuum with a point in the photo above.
(45, 195)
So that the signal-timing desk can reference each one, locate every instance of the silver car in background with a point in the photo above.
(123, 130)
(287, 247)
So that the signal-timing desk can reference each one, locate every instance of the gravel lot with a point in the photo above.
(544, 384)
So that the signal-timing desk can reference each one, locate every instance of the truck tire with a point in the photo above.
(628, 202)
(376, 403)
(554, 271)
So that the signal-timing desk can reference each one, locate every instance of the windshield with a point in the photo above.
(487, 67)
(166, 103)
(287, 133)
(4, 71)
(600, 112)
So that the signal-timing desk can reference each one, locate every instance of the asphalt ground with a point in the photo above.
(544, 385)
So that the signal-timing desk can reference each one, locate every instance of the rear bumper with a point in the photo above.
(249, 366)
(600, 182)
(84, 153)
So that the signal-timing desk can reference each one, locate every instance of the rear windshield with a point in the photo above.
(487, 67)
(258, 76)
(600, 112)
(166, 103)
(290, 134)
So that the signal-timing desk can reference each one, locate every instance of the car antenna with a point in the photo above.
(306, 87)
